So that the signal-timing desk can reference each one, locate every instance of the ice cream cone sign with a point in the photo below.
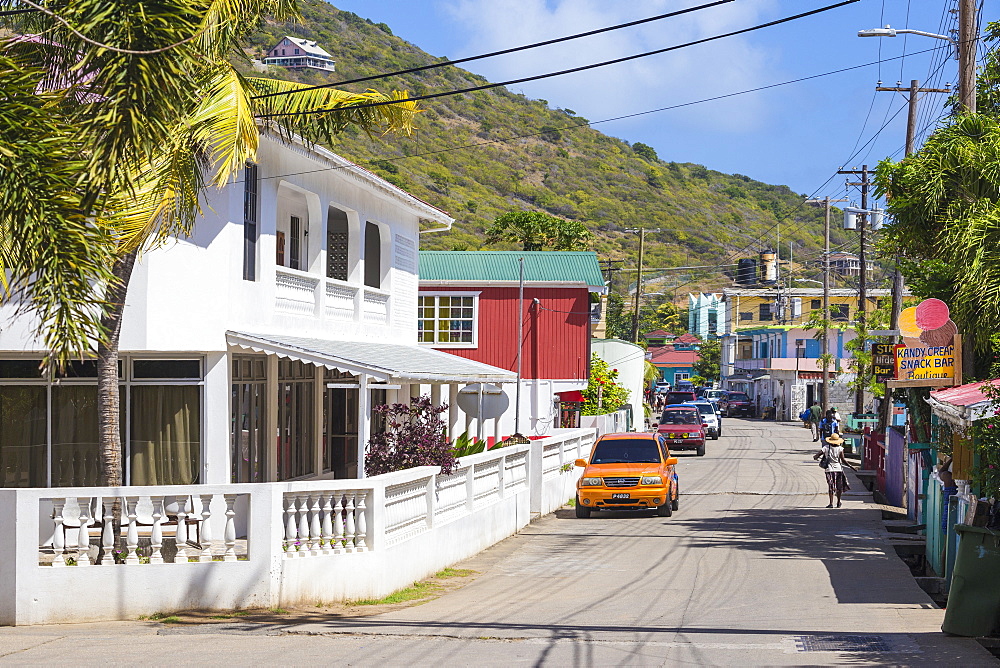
(927, 356)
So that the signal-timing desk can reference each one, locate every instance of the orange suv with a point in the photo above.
(632, 471)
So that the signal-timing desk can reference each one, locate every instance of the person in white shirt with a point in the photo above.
(836, 481)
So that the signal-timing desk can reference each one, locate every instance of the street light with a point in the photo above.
(892, 32)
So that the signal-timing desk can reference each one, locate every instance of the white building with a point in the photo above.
(253, 350)
(295, 53)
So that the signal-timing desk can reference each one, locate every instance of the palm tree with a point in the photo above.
(151, 152)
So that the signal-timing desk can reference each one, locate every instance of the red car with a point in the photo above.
(683, 429)
(737, 403)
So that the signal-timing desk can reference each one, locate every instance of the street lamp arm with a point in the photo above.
(892, 32)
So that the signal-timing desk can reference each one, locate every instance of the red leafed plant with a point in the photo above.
(414, 435)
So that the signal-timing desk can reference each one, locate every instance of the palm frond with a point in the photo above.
(344, 110)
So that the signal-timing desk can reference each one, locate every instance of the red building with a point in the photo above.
(468, 306)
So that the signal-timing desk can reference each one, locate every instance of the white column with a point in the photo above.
(319, 394)
(271, 423)
(415, 391)
(436, 394)
(216, 448)
(453, 413)
(364, 421)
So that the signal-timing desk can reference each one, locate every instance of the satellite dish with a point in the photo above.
(485, 402)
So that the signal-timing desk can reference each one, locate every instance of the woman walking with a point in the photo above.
(832, 454)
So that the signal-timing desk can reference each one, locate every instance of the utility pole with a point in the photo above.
(913, 93)
(638, 279)
(968, 35)
(825, 348)
(859, 397)
(638, 287)
(610, 268)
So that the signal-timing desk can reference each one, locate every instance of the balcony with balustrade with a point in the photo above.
(303, 294)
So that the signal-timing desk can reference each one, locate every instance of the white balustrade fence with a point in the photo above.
(116, 553)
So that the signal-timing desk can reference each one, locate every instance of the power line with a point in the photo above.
(502, 52)
(605, 120)
(571, 70)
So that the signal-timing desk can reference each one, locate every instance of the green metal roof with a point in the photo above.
(579, 267)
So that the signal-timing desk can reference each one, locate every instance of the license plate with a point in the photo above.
(621, 496)
(678, 440)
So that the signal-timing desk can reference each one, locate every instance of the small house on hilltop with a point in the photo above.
(296, 54)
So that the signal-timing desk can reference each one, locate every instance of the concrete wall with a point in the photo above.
(630, 360)
(406, 526)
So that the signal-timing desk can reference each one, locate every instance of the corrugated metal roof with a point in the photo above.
(963, 404)
(686, 357)
(579, 267)
(962, 395)
(382, 360)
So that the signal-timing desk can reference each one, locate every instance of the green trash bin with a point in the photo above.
(974, 599)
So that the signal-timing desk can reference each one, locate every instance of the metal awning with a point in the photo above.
(381, 361)
(964, 404)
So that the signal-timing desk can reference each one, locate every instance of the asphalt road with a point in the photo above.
(752, 570)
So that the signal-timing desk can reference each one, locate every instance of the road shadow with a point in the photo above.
(862, 566)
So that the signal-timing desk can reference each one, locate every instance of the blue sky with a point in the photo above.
(797, 135)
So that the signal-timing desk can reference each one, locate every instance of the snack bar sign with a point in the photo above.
(928, 349)
(926, 362)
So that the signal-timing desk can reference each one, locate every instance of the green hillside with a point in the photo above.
(578, 173)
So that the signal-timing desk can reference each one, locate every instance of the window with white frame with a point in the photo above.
(447, 319)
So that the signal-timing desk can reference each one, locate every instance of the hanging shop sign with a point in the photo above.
(930, 355)
(884, 361)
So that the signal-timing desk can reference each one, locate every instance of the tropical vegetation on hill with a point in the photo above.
(480, 154)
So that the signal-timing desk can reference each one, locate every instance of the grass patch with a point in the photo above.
(278, 611)
(413, 592)
(571, 503)
(239, 613)
(157, 616)
(172, 619)
(454, 573)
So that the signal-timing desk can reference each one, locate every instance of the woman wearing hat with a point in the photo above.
(833, 455)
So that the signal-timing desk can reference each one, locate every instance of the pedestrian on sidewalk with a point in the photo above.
(832, 454)
(815, 415)
(829, 425)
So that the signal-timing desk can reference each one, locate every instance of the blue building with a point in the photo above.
(704, 314)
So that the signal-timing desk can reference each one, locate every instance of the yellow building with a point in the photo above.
(764, 307)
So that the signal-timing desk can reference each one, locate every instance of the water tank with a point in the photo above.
(746, 271)
(768, 267)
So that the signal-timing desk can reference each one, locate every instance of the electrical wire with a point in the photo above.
(502, 52)
(574, 126)
(572, 70)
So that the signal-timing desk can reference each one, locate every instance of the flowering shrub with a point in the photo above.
(603, 394)
(986, 444)
(415, 435)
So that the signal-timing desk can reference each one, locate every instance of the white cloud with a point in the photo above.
(688, 74)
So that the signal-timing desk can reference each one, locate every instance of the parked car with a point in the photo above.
(714, 395)
(679, 396)
(737, 403)
(632, 471)
(662, 387)
(683, 428)
(710, 415)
